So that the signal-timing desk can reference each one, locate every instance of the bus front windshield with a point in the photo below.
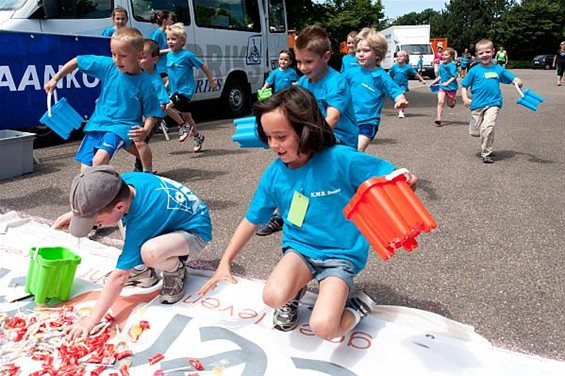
(11, 4)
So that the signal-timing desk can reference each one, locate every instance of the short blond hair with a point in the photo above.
(484, 43)
(177, 29)
(375, 40)
(131, 36)
(450, 51)
(314, 39)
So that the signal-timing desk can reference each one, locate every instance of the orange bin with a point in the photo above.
(389, 214)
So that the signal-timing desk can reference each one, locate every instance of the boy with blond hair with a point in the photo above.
(127, 106)
(180, 65)
(401, 71)
(483, 81)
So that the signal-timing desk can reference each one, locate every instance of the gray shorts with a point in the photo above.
(322, 269)
(195, 243)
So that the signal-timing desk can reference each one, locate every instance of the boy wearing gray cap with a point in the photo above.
(164, 222)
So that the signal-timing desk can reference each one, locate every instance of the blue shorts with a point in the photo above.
(322, 269)
(94, 141)
(368, 130)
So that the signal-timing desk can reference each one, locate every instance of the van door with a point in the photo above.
(277, 35)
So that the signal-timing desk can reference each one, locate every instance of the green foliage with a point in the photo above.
(435, 19)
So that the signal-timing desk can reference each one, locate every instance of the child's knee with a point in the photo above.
(323, 327)
(273, 296)
(150, 253)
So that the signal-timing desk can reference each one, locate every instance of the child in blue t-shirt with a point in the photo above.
(180, 65)
(401, 71)
(464, 62)
(448, 83)
(349, 60)
(127, 106)
(370, 83)
(162, 18)
(119, 18)
(420, 65)
(284, 76)
(313, 52)
(166, 223)
(484, 83)
(311, 181)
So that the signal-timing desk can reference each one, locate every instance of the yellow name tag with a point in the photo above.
(491, 75)
(298, 208)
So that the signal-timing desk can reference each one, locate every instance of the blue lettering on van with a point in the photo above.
(30, 79)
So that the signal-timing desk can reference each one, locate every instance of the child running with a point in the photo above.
(311, 181)
(163, 19)
(180, 65)
(465, 60)
(401, 71)
(349, 60)
(448, 83)
(483, 81)
(370, 83)
(126, 101)
(119, 18)
(284, 76)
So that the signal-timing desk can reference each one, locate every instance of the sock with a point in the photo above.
(140, 267)
(356, 314)
(148, 170)
(178, 265)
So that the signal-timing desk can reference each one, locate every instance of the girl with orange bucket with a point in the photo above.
(311, 181)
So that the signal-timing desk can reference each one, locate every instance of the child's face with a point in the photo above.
(365, 55)
(282, 138)
(485, 54)
(125, 56)
(147, 60)
(120, 19)
(284, 61)
(175, 42)
(109, 218)
(351, 45)
(311, 64)
(401, 59)
(446, 57)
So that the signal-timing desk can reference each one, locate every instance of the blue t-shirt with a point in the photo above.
(348, 61)
(369, 87)
(329, 180)
(160, 38)
(160, 206)
(464, 61)
(401, 73)
(420, 63)
(484, 85)
(180, 67)
(282, 78)
(159, 88)
(124, 99)
(446, 71)
(108, 32)
(333, 91)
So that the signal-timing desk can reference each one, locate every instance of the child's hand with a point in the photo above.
(51, 85)
(424, 83)
(79, 330)
(400, 102)
(221, 274)
(518, 82)
(137, 133)
(411, 179)
(63, 222)
(213, 84)
(467, 102)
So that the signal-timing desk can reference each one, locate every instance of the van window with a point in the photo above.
(418, 49)
(84, 9)
(228, 14)
(276, 16)
(143, 9)
(11, 4)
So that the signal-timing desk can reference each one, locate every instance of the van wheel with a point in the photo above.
(44, 136)
(236, 97)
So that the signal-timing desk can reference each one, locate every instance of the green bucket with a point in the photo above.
(264, 94)
(51, 273)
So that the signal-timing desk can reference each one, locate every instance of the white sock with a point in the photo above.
(356, 314)
(140, 267)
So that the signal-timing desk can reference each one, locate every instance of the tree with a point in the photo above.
(435, 19)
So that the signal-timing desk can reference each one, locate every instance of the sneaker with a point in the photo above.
(275, 224)
(173, 285)
(488, 159)
(360, 302)
(438, 122)
(142, 278)
(451, 104)
(184, 131)
(285, 318)
(198, 141)
(137, 167)
(401, 114)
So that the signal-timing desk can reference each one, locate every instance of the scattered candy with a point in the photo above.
(156, 358)
(196, 364)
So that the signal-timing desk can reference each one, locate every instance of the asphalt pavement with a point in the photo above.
(495, 261)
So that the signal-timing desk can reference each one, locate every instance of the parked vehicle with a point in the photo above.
(414, 39)
(542, 62)
(239, 40)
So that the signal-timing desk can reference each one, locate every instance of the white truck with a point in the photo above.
(414, 39)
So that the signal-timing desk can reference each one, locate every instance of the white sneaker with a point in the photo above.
(401, 114)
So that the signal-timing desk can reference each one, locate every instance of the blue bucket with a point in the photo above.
(61, 118)
(529, 99)
(434, 88)
(246, 133)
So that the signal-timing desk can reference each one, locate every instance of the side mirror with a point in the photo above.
(51, 8)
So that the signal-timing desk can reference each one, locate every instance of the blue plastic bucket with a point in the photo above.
(529, 99)
(246, 133)
(61, 118)
(433, 88)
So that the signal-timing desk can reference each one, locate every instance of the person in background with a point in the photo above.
(349, 60)
(420, 65)
(162, 18)
(502, 57)
(448, 84)
(400, 72)
(438, 55)
(559, 62)
(284, 76)
(465, 60)
(119, 18)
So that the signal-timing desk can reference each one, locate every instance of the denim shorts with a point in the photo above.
(93, 141)
(368, 130)
(322, 269)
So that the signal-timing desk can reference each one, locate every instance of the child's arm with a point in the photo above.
(400, 102)
(211, 81)
(419, 77)
(241, 236)
(333, 116)
(449, 81)
(466, 100)
(265, 86)
(517, 81)
(435, 81)
(554, 61)
(138, 133)
(69, 66)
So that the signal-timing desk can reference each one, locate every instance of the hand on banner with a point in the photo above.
(63, 222)
(221, 274)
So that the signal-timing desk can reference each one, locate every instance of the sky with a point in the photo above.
(397, 8)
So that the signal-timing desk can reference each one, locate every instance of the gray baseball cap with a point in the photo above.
(92, 190)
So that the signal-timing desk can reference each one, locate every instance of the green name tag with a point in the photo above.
(491, 75)
(298, 208)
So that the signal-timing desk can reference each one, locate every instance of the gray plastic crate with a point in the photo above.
(16, 153)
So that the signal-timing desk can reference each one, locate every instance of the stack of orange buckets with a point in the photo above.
(389, 214)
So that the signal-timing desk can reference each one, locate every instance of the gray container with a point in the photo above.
(16, 153)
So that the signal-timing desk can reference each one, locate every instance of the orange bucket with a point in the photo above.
(389, 214)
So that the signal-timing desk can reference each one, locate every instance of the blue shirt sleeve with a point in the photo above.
(271, 79)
